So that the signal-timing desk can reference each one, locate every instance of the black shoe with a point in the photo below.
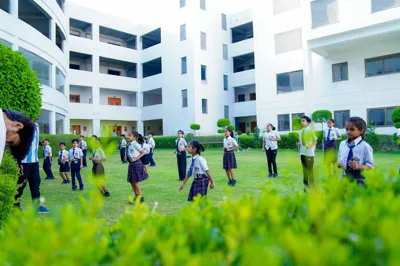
(229, 183)
(141, 199)
(74, 188)
(152, 165)
(81, 188)
(270, 175)
(275, 175)
(64, 182)
(106, 194)
(49, 178)
(233, 182)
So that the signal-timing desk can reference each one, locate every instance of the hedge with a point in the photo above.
(8, 186)
(338, 223)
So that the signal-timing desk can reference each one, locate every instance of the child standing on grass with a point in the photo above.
(199, 169)
(76, 161)
(152, 145)
(307, 144)
(331, 135)
(63, 161)
(229, 161)
(122, 149)
(270, 145)
(83, 147)
(98, 157)
(136, 171)
(47, 159)
(355, 154)
(146, 157)
(180, 152)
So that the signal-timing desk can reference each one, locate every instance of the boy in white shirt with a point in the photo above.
(47, 155)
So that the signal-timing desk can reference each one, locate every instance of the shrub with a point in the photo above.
(8, 186)
(321, 116)
(232, 127)
(223, 122)
(195, 127)
(221, 131)
(239, 132)
(296, 123)
(396, 117)
(16, 76)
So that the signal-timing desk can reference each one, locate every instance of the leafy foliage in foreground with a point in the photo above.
(338, 223)
(8, 186)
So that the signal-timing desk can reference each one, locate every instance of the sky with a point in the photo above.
(126, 8)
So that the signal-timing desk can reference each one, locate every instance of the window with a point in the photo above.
(184, 98)
(203, 4)
(204, 108)
(60, 80)
(113, 72)
(283, 123)
(252, 96)
(241, 98)
(60, 123)
(324, 12)
(281, 6)
(74, 98)
(39, 65)
(380, 116)
(203, 73)
(225, 51)
(379, 5)
(382, 65)
(341, 118)
(183, 32)
(44, 122)
(288, 41)
(226, 111)
(297, 115)
(289, 82)
(183, 65)
(224, 24)
(182, 3)
(225, 82)
(8, 44)
(74, 66)
(340, 72)
(203, 41)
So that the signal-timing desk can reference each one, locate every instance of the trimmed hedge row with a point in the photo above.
(8, 186)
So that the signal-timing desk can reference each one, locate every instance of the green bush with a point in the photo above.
(239, 132)
(338, 223)
(17, 76)
(396, 117)
(232, 127)
(296, 123)
(8, 186)
(321, 116)
(221, 131)
(223, 122)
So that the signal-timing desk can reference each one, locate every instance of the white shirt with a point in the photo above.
(82, 145)
(47, 151)
(75, 154)
(32, 156)
(362, 150)
(273, 144)
(146, 148)
(3, 134)
(334, 133)
(134, 149)
(309, 139)
(230, 142)
(181, 145)
(63, 156)
(123, 143)
(99, 154)
(199, 165)
(152, 143)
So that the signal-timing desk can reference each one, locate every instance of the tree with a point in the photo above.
(223, 123)
(20, 88)
(296, 123)
(195, 127)
(321, 116)
(396, 117)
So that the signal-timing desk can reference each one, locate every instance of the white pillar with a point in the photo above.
(139, 99)
(52, 29)
(140, 127)
(95, 64)
(13, 8)
(139, 70)
(52, 122)
(96, 32)
(66, 125)
(96, 127)
(53, 75)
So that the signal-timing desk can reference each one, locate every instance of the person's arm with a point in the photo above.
(277, 137)
(314, 143)
(339, 136)
(368, 161)
(142, 153)
(211, 179)
(263, 144)
(81, 154)
(50, 157)
(184, 182)
(339, 160)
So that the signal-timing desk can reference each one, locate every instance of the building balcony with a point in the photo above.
(242, 78)
(247, 108)
(243, 47)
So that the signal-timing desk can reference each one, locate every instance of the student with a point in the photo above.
(83, 147)
(152, 145)
(136, 171)
(63, 162)
(146, 157)
(47, 155)
(307, 143)
(122, 149)
(229, 161)
(31, 174)
(355, 154)
(270, 145)
(180, 152)
(76, 161)
(199, 169)
(98, 157)
(16, 132)
(331, 135)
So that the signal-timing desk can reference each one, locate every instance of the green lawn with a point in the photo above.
(162, 185)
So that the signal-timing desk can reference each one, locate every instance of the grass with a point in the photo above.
(162, 185)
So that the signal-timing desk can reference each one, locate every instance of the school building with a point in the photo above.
(277, 60)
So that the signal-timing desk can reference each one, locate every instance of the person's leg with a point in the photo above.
(146, 168)
(231, 174)
(49, 169)
(228, 174)
(84, 162)
(305, 172)
(184, 166)
(269, 159)
(46, 166)
(122, 154)
(62, 176)
(179, 161)
(73, 174)
(66, 175)
(21, 184)
(34, 181)
(152, 163)
(273, 160)
(310, 169)
(79, 177)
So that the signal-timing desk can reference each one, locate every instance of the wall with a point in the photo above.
(106, 124)
(83, 33)
(105, 67)
(246, 91)
(82, 123)
(154, 126)
(114, 40)
(126, 99)
(84, 92)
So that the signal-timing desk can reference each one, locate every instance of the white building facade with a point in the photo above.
(268, 64)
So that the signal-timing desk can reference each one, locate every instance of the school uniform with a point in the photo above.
(229, 161)
(357, 150)
(152, 145)
(63, 158)
(197, 168)
(83, 147)
(98, 168)
(181, 157)
(271, 150)
(306, 138)
(122, 150)
(75, 156)
(145, 158)
(136, 172)
(46, 162)
(330, 145)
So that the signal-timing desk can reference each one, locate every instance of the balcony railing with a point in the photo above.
(324, 12)
(380, 5)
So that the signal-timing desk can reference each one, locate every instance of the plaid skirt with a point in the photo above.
(229, 161)
(199, 186)
(98, 170)
(136, 172)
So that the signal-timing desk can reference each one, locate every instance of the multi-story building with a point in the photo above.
(268, 64)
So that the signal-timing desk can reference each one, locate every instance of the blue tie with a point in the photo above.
(350, 156)
(190, 173)
(328, 137)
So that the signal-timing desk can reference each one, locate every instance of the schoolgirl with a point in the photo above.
(270, 146)
(63, 162)
(229, 160)
(331, 135)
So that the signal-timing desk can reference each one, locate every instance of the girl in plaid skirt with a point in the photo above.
(229, 161)
(199, 169)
